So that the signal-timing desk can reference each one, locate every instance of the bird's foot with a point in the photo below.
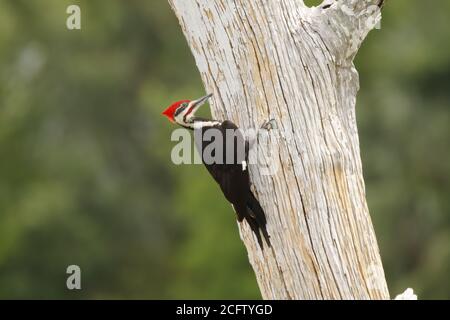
(269, 125)
(253, 137)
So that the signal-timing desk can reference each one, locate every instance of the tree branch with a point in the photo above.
(277, 59)
(346, 23)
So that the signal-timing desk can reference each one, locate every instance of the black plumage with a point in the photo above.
(232, 173)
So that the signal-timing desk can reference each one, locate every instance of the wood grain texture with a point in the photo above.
(279, 59)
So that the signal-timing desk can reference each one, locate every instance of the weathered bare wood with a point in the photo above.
(279, 59)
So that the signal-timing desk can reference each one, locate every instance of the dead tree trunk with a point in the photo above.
(280, 59)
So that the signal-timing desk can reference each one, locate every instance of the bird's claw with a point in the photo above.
(269, 125)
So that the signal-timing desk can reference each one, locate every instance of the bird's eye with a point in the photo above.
(180, 108)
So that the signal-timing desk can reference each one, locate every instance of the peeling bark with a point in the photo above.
(280, 59)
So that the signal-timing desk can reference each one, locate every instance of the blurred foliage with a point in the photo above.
(85, 170)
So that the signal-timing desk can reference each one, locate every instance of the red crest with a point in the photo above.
(170, 111)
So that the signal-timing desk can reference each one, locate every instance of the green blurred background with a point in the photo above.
(85, 170)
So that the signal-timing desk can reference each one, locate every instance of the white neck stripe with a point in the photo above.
(201, 124)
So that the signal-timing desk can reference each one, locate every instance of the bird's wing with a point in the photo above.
(235, 174)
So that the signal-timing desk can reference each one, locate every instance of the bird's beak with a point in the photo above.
(196, 104)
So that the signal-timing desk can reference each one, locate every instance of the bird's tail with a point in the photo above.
(257, 220)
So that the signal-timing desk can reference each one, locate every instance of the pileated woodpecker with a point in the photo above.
(232, 176)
